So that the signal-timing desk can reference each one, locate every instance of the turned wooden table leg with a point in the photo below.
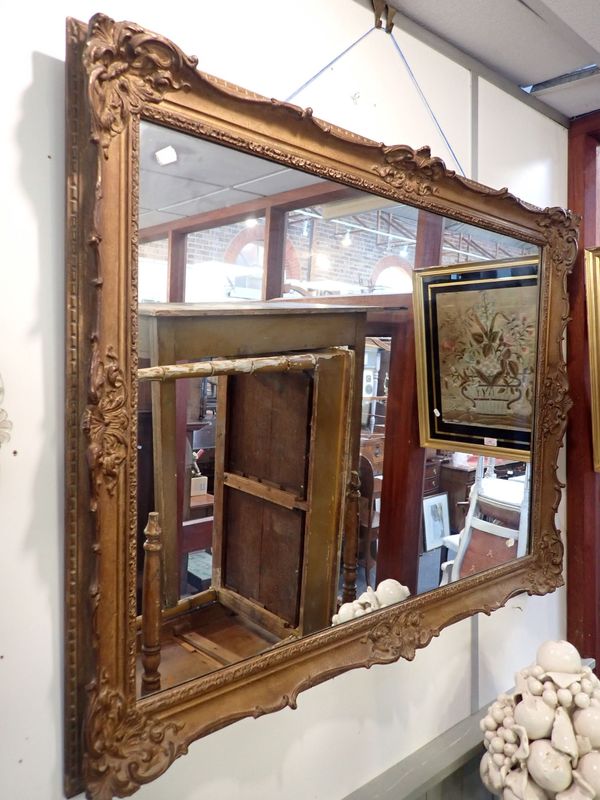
(151, 605)
(350, 543)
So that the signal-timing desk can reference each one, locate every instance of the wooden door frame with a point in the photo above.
(583, 492)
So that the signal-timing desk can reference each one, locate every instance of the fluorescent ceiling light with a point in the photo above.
(166, 155)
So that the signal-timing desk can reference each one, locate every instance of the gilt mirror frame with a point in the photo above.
(119, 73)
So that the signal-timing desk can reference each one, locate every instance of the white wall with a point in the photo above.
(349, 729)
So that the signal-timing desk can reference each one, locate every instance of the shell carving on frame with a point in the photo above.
(412, 171)
(127, 67)
(399, 636)
(106, 421)
(124, 747)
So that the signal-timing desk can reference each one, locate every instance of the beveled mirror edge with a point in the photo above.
(112, 80)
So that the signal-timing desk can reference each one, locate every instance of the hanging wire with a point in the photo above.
(331, 63)
(426, 104)
(412, 77)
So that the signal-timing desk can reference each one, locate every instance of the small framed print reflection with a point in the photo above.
(436, 520)
(475, 337)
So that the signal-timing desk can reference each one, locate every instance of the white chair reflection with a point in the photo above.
(496, 526)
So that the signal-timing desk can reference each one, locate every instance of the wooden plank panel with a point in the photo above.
(263, 553)
(268, 428)
(250, 612)
(327, 483)
(219, 490)
(265, 491)
(281, 559)
(162, 349)
(198, 334)
(241, 542)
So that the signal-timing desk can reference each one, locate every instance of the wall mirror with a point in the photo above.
(239, 279)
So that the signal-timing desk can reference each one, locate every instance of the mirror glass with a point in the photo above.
(215, 226)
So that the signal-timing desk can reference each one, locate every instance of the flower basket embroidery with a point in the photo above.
(487, 352)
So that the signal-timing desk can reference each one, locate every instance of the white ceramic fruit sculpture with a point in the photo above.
(388, 592)
(543, 741)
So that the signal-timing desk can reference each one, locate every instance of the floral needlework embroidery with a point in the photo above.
(487, 345)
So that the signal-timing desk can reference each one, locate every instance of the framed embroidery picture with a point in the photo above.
(475, 338)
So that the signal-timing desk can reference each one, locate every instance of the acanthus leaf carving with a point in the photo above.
(546, 572)
(127, 67)
(560, 227)
(124, 747)
(399, 635)
(412, 171)
(555, 403)
(106, 421)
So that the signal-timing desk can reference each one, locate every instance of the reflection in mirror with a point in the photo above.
(475, 515)
(220, 226)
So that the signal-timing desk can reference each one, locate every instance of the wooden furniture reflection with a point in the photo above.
(283, 445)
(370, 493)
(457, 480)
(431, 477)
(372, 447)
(496, 528)
(371, 481)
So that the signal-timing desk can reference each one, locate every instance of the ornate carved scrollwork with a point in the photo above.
(545, 574)
(124, 747)
(555, 403)
(560, 227)
(398, 636)
(106, 421)
(127, 67)
(412, 171)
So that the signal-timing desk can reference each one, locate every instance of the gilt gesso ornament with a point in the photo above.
(543, 741)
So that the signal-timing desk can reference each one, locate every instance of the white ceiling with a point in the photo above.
(525, 41)
(205, 177)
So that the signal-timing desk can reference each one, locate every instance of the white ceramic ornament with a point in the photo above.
(543, 741)
(548, 767)
(388, 592)
(558, 657)
(589, 769)
(391, 591)
(586, 722)
(535, 716)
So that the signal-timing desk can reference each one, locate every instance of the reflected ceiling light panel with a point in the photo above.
(251, 222)
(346, 239)
(166, 155)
